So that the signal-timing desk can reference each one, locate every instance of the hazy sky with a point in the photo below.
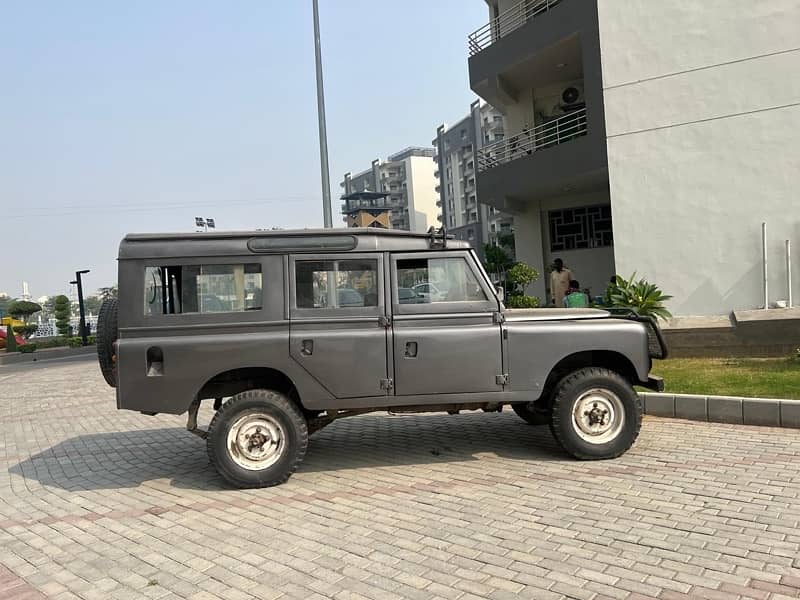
(121, 117)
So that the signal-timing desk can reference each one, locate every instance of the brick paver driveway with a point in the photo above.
(96, 503)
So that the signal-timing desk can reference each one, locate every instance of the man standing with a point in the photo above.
(559, 282)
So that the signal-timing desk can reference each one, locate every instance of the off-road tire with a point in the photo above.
(532, 417)
(273, 405)
(107, 333)
(564, 424)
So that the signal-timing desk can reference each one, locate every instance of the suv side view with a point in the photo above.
(286, 332)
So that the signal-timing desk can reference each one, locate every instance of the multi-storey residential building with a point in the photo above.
(407, 178)
(653, 137)
(456, 157)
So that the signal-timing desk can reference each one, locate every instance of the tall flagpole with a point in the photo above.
(323, 133)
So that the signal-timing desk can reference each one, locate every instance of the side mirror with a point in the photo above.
(501, 293)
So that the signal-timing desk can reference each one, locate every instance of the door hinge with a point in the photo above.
(498, 318)
(501, 379)
(384, 320)
(387, 384)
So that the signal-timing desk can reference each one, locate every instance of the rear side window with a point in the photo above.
(193, 289)
(351, 283)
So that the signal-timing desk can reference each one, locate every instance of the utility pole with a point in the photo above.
(323, 132)
(81, 308)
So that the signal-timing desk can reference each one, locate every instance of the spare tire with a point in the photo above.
(107, 333)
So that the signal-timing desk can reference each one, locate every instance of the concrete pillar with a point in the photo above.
(528, 240)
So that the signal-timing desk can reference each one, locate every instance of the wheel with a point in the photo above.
(107, 334)
(257, 439)
(529, 412)
(596, 414)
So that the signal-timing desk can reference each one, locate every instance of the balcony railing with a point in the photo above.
(506, 22)
(557, 131)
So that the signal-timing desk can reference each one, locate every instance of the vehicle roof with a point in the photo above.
(231, 243)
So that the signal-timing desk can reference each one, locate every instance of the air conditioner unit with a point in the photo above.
(572, 97)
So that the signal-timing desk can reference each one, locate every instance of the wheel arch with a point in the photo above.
(233, 381)
(607, 359)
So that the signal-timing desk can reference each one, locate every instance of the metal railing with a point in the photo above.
(557, 131)
(506, 22)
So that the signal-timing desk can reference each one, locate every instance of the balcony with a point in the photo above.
(547, 135)
(506, 22)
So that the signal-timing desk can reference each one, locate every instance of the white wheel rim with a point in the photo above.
(256, 441)
(598, 416)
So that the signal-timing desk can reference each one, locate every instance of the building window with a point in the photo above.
(577, 228)
(470, 234)
(463, 134)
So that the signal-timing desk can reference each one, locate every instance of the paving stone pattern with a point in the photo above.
(97, 503)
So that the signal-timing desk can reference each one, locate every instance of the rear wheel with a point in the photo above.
(107, 334)
(596, 414)
(257, 439)
(531, 413)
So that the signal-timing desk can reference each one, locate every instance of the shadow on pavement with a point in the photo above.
(127, 459)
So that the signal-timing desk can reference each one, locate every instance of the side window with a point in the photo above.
(351, 283)
(192, 289)
(436, 280)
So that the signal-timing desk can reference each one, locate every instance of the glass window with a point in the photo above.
(336, 283)
(188, 289)
(439, 280)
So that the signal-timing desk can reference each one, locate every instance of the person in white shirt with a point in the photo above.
(559, 282)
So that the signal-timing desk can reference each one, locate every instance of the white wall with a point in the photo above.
(702, 104)
(422, 195)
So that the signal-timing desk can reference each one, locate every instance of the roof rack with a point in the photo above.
(437, 238)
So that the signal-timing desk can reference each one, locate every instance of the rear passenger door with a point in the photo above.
(338, 330)
(450, 343)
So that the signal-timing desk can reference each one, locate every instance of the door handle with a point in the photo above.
(307, 347)
(411, 350)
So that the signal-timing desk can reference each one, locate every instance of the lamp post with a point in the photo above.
(323, 133)
(82, 326)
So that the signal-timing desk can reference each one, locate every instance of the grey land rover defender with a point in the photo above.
(287, 331)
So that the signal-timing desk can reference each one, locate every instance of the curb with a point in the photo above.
(44, 355)
(770, 412)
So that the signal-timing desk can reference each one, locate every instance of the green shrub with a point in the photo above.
(27, 348)
(11, 341)
(642, 297)
(27, 330)
(63, 312)
(74, 342)
(522, 302)
(92, 340)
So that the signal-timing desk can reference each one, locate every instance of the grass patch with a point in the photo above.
(754, 377)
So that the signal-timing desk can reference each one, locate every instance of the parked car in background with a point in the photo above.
(409, 296)
(430, 292)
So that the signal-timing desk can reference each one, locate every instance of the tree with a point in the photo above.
(497, 260)
(27, 330)
(22, 309)
(63, 311)
(520, 276)
(92, 304)
(108, 293)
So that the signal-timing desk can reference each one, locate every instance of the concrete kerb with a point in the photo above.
(771, 412)
(13, 358)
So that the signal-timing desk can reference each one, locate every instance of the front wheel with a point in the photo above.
(596, 414)
(257, 439)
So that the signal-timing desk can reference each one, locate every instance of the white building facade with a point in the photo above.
(408, 178)
(648, 137)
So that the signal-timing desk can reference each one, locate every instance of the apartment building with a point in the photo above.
(642, 136)
(456, 157)
(408, 180)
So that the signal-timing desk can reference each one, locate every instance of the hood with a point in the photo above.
(554, 314)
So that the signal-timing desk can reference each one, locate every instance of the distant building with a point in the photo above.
(457, 148)
(408, 179)
(367, 209)
(26, 292)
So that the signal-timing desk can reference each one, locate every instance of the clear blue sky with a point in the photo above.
(118, 117)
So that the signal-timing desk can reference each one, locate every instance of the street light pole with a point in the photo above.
(323, 133)
(82, 326)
